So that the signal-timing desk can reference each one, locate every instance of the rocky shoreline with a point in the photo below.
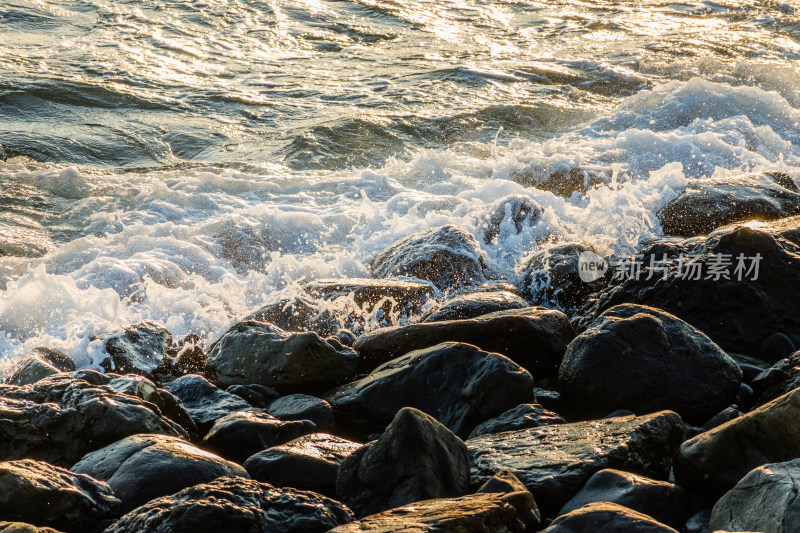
(649, 403)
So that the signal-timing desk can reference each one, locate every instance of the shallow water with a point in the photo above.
(188, 161)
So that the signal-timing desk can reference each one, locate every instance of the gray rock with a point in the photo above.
(506, 482)
(204, 402)
(448, 256)
(235, 504)
(605, 517)
(698, 522)
(473, 305)
(535, 338)
(726, 415)
(256, 395)
(239, 435)
(714, 461)
(526, 415)
(764, 500)
(554, 462)
(713, 202)
(170, 406)
(308, 463)
(385, 473)
(660, 500)
(140, 468)
(304, 407)
(458, 384)
(644, 359)
(510, 216)
(39, 363)
(39, 493)
(139, 349)
(256, 352)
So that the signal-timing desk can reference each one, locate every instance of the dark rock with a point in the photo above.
(304, 407)
(736, 314)
(643, 359)
(473, 305)
(237, 436)
(300, 313)
(39, 363)
(256, 352)
(555, 461)
(776, 347)
(139, 349)
(308, 463)
(21, 527)
(474, 513)
(387, 296)
(170, 406)
(606, 517)
(698, 523)
(713, 202)
(256, 395)
(384, 474)
(346, 337)
(726, 415)
(204, 402)
(549, 399)
(745, 398)
(526, 415)
(510, 216)
(143, 467)
(714, 461)
(534, 338)
(458, 384)
(764, 500)
(62, 417)
(235, 504)
(188, 356)
(662, 501)
(39, 493)
(563, 181)
(777, 380)
(448, 256)
(506, 482)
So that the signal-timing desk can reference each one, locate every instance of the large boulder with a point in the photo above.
(473, 305)
(737, 314)
(22, 527)
(714, 461)
(39, 363)
(554, 462)
(205, 402)
(45, 495)
(416, 458)
(764, 500)
(713, 202)
(644, 360)
(458, 384)
(525, 415)
(257, 352)
(606, 517)
(138, 349)
(660, 500)
(304, 407)
(535, 338)
(143, 467)
(235, 504)
(239, 435)
(61, 418)
(447, 256)
(308, 463)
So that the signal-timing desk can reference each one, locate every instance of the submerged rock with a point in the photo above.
(139, 349)
(235, 504)
(511, 215)
(39, 363)
(457, 384)
(643, 359)
(473, 305)
(526, 415)
(447, 256)
(205, 402)
(605, 517)
(555, 461)
(143, 467)
(256, 352)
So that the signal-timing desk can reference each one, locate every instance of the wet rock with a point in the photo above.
(510, 216)
(39, 363)
(764, 500)
(535, 338)
(390, 296)
(714, 461)
(713, 202)
(239, 435)
(62, 417)
(447, 256)
(188, 356)
(308, 463)
(346, 337)
(473, 305)
(386, 473)
(726, 415)
(506, 482)
(204, 402)
(39, 493)
(256, 352)
(235, 504)
(458, 384)
(526, 415)
(554, 462)
(698, 523)
(256, 395)
(304, 407)
(22, 527)
(605, 517)
(139, 349)
(643, 359)
(777, 380)
(300, 313)
(169, 405)
(561, 181)
(736, 314)
(662, 501)
(140, 468)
